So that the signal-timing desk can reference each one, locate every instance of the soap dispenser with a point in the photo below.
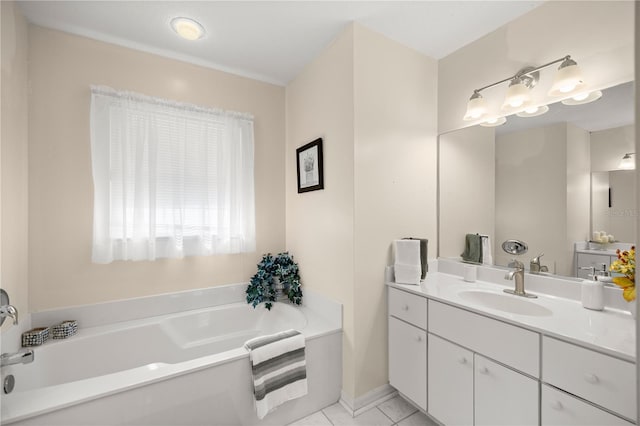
(593, 292)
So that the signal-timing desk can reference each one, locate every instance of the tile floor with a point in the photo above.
(393, 412)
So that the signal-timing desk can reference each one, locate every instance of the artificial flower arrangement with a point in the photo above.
(626, 265)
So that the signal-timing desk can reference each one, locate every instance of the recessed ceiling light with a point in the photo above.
(187, 28)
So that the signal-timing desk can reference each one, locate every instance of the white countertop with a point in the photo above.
(607, 252)
(610, 331)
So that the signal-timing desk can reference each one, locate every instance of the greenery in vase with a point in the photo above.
(262, 286)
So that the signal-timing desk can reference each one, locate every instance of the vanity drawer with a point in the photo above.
(562, 409)
(408, 307)
(596, 377)
(505, 343)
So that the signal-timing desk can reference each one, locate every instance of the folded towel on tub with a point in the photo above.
(279, 369)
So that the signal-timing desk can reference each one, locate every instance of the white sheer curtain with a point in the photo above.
(170, 179)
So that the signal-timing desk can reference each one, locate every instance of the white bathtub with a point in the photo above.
(182, 368)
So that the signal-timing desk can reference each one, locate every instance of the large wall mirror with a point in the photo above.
(550, 180)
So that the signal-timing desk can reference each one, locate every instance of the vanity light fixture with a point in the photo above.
(533, 111)
(476, 107)
(494, 122)
(627, 162)
(568, 79)
(187, 28)
(583, 98)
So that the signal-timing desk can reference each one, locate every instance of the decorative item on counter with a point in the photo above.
(35, 337)
(593, 295)
(407, 268)
(277, 279)
(601, 237)
(65, 329)
(626, 266)
(470, 273)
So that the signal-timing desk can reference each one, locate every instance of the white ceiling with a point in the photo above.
(273, 40)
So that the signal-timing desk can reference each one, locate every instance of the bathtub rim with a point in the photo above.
(324, 317)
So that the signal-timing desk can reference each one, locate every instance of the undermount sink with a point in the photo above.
(505, 303)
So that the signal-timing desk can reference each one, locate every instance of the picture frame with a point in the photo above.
(310, 166)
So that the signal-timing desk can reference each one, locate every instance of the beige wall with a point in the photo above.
(542, 193)
(62, 67)
(395, 180)
(467, 187)
(597, 34)
(14, 165)
(320, 230)
(373, 101)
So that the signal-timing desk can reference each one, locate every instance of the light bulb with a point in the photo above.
(187, 28)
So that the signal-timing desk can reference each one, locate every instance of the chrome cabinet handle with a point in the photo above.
(591, 378)
(405, 307)
(483, 370)
(462, 360)
(419, 339)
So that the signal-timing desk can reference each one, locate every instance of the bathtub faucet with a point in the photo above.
(22, 357)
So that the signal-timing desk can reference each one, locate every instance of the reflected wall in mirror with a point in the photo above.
(613, 203)
(531, 179)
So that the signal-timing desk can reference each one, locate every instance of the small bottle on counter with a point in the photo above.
(593, 295)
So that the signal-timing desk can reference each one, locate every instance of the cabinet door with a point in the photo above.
(503, 396)
(408, 361)
(562, 409)
(450, 379)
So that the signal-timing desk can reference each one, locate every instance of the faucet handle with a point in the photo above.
(537, 258)
(9, 311)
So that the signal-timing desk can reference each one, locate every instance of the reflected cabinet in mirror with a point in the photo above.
(550, 181)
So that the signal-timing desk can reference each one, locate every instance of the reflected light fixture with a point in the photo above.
(494, 122)
(187, 28)
(583, 98)
(627, 162)
(533, 111)
(568, 80)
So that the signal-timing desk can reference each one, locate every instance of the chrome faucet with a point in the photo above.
(518, 276)
(22, 357)
(535, 267)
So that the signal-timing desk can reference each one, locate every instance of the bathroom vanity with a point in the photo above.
(467, 353)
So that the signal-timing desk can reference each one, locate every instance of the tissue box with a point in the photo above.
(65, 329)
(35, 337)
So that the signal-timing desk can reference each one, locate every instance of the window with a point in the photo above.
(170, 179)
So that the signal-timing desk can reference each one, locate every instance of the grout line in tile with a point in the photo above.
(326, 417)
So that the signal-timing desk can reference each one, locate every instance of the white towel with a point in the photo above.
(486, 251)
(407, 266)
(278, 368)
(406, 274)
(407, 252)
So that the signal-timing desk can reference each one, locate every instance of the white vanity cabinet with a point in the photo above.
(561, 409)
(408, 345)
(465, 386)
(503, 396)
(595, 377)
(450, 378)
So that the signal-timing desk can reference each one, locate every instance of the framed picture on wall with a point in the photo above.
(310, 166)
